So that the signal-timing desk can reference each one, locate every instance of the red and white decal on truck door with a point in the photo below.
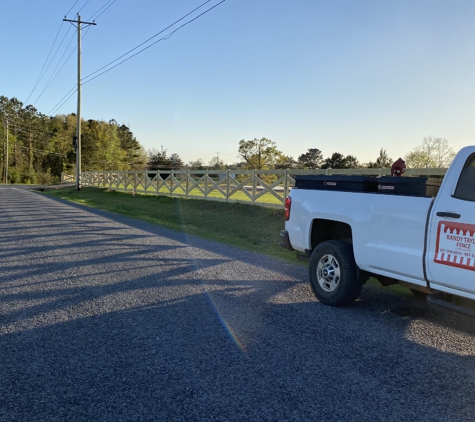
(455, 245)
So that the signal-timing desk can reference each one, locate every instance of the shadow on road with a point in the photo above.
(106, 318)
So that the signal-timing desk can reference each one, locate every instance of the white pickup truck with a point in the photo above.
(395, 229)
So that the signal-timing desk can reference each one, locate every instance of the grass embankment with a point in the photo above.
(254, 228)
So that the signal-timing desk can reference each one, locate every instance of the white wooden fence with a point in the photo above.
(258, 187)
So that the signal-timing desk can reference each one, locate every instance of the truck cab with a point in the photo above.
(450, 256)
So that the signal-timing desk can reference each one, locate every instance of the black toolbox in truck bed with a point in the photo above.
(336, 183)
(389, 185)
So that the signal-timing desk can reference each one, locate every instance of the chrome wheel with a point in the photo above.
(328, 273)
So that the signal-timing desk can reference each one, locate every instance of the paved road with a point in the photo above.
(103, 318)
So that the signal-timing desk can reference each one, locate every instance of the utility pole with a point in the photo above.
(6, 159)
(78, 116)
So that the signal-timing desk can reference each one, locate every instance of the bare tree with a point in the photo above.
(216, 163)
(432, 153)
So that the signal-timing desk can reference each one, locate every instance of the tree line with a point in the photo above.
(263, 154)
(40, 147)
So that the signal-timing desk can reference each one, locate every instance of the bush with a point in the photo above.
(29, 177)
(14, 176)
(47, 178)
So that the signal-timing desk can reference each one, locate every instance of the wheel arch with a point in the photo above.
(325, 229)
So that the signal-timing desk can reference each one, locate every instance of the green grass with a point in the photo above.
(254, 228)
(266, 198)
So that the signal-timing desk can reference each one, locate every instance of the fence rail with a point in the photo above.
(68, 178)
(258, 187)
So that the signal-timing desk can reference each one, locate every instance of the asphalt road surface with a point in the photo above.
(104, 318)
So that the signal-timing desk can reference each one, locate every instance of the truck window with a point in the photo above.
(466, 185)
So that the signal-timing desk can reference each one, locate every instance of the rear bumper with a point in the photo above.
(285, 240)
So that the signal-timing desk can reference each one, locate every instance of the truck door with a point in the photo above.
(450, 258)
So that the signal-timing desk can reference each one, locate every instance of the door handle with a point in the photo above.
(448, 214)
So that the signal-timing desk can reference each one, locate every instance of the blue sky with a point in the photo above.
(338, 75)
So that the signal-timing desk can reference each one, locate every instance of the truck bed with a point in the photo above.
(387, 185)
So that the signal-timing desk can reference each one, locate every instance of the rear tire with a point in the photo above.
(333, 275)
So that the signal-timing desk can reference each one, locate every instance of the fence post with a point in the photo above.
(227, 185)
(253, 186)
(187, 184)
(286, 187)
(206, 184)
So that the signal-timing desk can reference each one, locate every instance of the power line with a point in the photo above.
(52, 58)
(53, 75)
(73, 90)
(47, 57)
(20, 130)
(45, 65)
(158, 33)
(79, 11)
(82, 7)
(88, 78)
(112, 162)
(40, 150)
(66, 14)
(94, 15)
(70, 93)
(52, 78)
